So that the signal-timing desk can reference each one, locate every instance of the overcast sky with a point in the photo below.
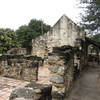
(14, 13)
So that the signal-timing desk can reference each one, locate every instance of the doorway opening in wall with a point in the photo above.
(44, 74)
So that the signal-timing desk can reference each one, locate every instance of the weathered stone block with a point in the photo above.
(57, 96)
(57, 78)
(53, 58)
(57, 69)
(26, 93)
(32, 92)
(58, 62)
(60, 90)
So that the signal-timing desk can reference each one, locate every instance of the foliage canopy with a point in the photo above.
(7, 40)
(91, 19)
(23, 36)
(28, 32)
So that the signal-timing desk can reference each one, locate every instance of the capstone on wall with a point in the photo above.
(64, 32)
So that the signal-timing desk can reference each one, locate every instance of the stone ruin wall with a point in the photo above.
(62, 77)
(61, 66)
(64, 32)
(63, 72)
(61, 63)
(19, 67)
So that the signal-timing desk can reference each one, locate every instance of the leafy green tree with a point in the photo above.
(7, 40)
(91, 19)
(23, 36)
(96, 37)
(38, 26)
(26, 33)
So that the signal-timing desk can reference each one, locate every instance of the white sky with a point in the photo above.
(14, 13)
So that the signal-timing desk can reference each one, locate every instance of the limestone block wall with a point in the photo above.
(61, 62)
(64, 32)
(19, 67)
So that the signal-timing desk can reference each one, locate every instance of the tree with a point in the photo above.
(7, 40)
(96, 38)
(26, 33)
(91, 19)
(38, 26)
(23, 36)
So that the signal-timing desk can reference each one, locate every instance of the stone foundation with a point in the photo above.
(20, 67)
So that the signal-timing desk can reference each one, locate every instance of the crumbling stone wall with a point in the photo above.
(64, 32)
(17, 51)
(20, 67)
(32, 92)
(61, 62)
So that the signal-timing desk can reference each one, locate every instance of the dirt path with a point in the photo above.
(44, 75)
(88, 86)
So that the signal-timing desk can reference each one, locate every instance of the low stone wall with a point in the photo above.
(17, 51)
(32, 92)
(64, 64)
(20, 67)
(61, 62)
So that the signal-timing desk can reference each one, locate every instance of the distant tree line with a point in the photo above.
(21, 37)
